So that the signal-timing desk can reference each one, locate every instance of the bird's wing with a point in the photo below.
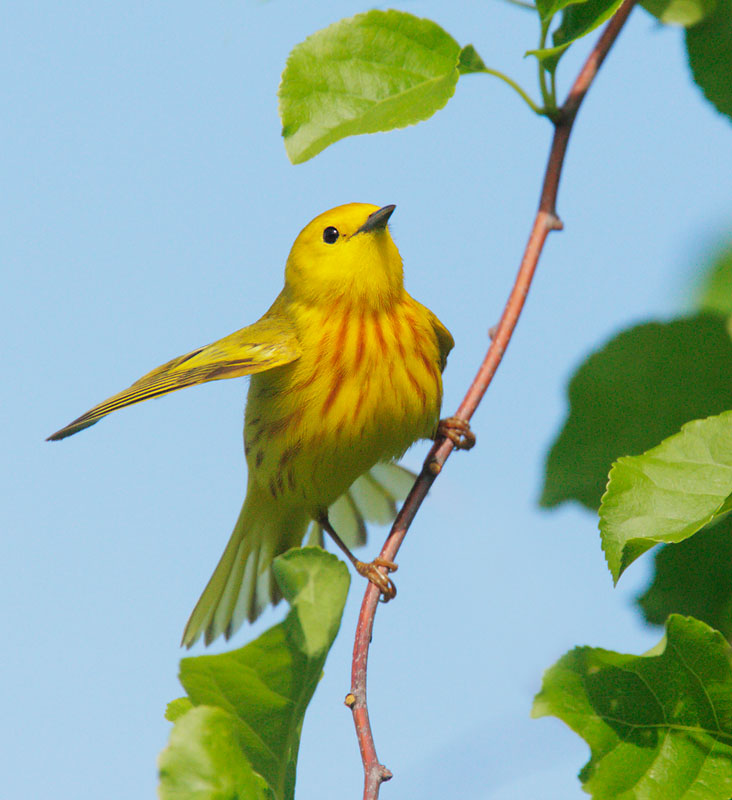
(444, 338)
(269, 343)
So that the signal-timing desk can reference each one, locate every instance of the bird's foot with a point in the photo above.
(382, 582)
(457, 431)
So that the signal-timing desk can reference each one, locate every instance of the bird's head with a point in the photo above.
(346, 254)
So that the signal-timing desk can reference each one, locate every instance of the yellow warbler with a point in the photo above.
(346, 373)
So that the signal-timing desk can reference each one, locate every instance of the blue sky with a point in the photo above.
(148, 208)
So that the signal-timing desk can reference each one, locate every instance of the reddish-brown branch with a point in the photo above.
(546, 221)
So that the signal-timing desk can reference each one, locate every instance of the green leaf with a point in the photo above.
(373, 72)
(709, 46)
(315, 584)
(265, 686)
(638, 389)
(716, 293)
(578, 19)
(694, 578)
(176, 708)
(203, 760)
(658, 726)
(548, 8)
(668, 493)
(680, 12)
(470, 61)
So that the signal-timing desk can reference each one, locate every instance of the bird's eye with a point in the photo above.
(330, 235)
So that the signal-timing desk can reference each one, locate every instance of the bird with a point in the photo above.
(346, 374)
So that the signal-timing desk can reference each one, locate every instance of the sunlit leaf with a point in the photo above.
(260, 692)
(204, 760)
(659, 726)
(668, 493)
(176, 708)
(372, 72)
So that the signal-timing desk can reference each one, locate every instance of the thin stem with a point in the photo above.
(524, 96)
(546, 220)
(548, 99)
(522, 4)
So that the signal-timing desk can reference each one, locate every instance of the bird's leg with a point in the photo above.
(369, 570)
(457, 431)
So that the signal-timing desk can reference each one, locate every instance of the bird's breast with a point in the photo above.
(366, 387)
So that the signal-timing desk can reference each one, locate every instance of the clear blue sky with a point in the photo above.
(148, 208)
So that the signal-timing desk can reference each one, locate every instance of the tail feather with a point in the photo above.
(241, 576)
(242, 585)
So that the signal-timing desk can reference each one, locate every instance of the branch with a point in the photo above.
(546, 221)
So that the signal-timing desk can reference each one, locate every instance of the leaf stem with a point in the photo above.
(546, 220)
(522, 4)
(549, 101)
(524, 96)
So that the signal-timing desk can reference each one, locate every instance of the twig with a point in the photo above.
(546, 220)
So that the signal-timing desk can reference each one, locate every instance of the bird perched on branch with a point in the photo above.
(346, 374)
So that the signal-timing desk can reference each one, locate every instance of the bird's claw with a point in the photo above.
(382, 582)
(457, 431)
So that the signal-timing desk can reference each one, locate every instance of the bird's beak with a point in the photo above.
(377, 220)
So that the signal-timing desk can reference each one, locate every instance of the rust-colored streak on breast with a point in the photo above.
(411, 319)
(332, 394)
(429, 365)
(359, 403)
(340, 342)
(360, 342)
(397, 326)
(380, 337)
(418, 388)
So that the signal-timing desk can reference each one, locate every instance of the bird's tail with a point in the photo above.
(242, 584)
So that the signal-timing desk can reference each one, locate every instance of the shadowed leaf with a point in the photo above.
(470, 61)
(638, 389)
(680, 12)
(694, 578)
(716, 292)
(709, 46)
(578, 19)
